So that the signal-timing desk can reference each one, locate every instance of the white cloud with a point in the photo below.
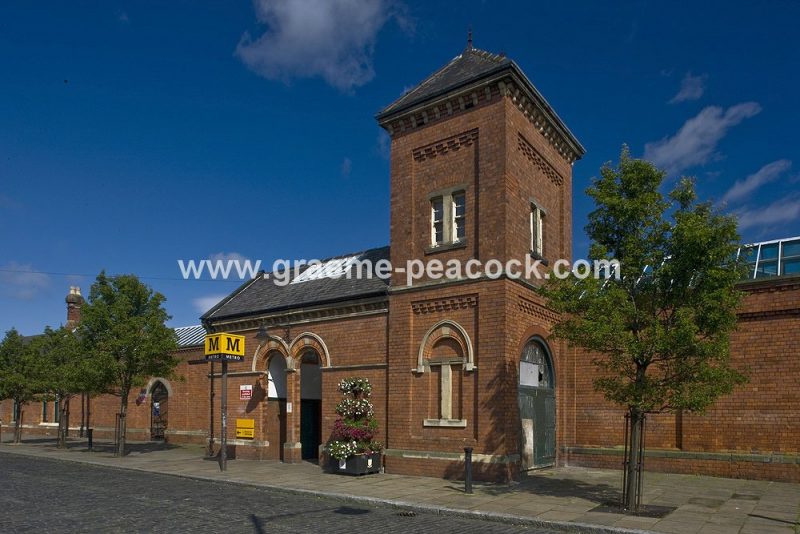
(779, 212)
(20, 282)
(692, 88)
(332, 39)
(347, 167)
(203, 304)
(228, 256)
(384, 144)
(696, 141)
(766, 174)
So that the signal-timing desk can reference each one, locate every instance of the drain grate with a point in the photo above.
(407, 513)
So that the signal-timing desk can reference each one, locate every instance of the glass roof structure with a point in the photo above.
(780, 257)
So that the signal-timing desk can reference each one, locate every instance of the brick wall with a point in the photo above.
(752, 433)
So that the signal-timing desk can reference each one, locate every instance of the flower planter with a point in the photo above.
(359, 464)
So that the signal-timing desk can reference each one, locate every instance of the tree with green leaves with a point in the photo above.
(67, 371)
(20, 374)
(123, 329)
(660, 330)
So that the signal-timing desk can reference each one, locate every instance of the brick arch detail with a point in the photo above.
(152, 383)
(273, 343)
(309, 340)
(542, 335)
(534, 331)
(446, 329)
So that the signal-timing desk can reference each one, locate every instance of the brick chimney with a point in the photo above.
(74, 302)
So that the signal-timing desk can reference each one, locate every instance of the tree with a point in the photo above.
(66, 371)
(123, 329)
(20, 374)
(660, 331)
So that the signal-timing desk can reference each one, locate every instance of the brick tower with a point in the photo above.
(481, 169)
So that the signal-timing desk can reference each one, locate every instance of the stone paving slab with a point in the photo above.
(562, 498)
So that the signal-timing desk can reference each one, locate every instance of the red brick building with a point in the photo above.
(481, 169)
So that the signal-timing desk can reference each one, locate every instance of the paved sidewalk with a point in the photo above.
(561, 498)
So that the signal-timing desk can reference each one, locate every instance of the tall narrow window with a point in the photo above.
(537, 231)
(56, 414)
(437, 221)
(459, 216)
(44, 411)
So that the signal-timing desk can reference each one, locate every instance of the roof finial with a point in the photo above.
(469, 38)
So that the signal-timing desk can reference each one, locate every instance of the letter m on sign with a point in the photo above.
(212, 344)
(233, 345)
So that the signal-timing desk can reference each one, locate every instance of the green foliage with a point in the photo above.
(123, 329)
(66, 368)
(20, 368)
(661, 333)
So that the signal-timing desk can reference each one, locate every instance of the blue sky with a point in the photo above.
(133, 134)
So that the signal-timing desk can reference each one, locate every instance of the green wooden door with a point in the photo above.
(537, 407)
(310, 427)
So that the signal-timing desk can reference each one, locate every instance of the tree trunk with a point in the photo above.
(633, 473)
(83, 415)
(63, 422)
(123, 427)
(18, 424)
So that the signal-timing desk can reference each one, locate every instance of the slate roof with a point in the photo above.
(190, 336)
(470, 65)
(262, 295)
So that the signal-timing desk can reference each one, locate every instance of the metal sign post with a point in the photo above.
(224, 348)
(223, 452)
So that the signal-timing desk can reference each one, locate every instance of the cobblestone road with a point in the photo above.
(42, 495)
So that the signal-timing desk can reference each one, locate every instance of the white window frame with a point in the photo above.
(450, 222)
(537, 216)
(458, 221)
(435, 221)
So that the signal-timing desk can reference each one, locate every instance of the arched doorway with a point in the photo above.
(275, 423)
(537, 405)
(159, 411)
(310, 405)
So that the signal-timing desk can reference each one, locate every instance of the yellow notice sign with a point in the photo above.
(224, 344)
(246, 428)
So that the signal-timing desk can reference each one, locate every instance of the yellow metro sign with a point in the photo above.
(228, 347)
(245, 428)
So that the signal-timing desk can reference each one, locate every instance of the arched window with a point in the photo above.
(446, 350)
(535, 368)
(276, 376)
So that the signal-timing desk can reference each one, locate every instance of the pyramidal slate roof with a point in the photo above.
(472, 67)
(468, 66)
(318, 285)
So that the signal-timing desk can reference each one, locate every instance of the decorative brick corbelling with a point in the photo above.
(538, 161)
(299, 316)
(445, 304)
(769, 314)
(539, 119)
(445, 146)
(536, 310)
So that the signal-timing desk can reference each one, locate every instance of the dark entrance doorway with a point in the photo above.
(537, 406)
(159, 410)
(275, 414)
(310, 406)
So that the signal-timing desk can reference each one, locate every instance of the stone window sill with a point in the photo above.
(445, 423)
(536, 256)
(444, 247)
